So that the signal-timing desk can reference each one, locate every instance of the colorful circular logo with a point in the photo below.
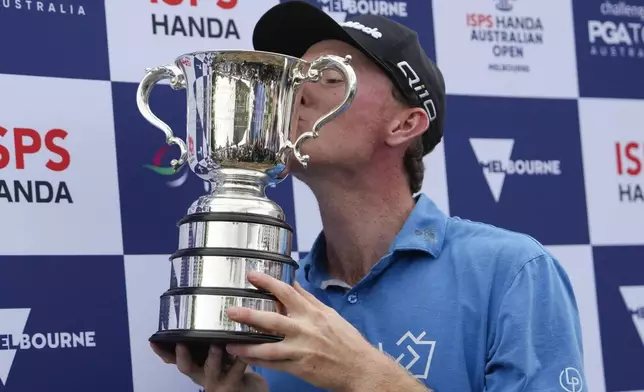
(177, 178)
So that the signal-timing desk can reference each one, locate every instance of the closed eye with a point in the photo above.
(331, 77)
(332, 81)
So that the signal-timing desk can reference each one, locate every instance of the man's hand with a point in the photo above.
(212, 375)
(319, 347)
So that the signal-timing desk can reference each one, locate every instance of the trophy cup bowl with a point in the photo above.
(240, 107)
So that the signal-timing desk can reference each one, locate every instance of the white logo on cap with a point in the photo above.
(419, 88)
(367, 30)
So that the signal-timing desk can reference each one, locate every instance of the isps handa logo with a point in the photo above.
(14, 340)
(217, 27)
(508, 35)
(52, 8)
(619, 32)
(630, 171)
(31, 164)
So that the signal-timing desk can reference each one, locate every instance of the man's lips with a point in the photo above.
(302, 125)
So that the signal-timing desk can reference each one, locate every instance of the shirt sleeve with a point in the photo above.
(536, 343)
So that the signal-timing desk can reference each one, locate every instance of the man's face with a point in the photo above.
(350, 140)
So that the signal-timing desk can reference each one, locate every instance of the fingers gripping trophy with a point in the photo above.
(241, 105)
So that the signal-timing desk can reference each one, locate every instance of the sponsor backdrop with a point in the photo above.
(544, 135)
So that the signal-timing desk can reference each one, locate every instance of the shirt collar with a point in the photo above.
(424, 230)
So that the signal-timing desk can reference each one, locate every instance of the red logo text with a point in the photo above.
(193, 3)
(27, 141)
(225, 4)
(630, 157)
(480, 20)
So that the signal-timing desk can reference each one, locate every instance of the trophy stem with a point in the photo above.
(238, 182)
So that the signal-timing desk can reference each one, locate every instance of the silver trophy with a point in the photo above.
(240, 108)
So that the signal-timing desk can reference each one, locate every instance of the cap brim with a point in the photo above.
(291, 28)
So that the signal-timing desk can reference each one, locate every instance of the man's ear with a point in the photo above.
(410, 123)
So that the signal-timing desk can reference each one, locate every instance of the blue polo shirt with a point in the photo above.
(463, 306)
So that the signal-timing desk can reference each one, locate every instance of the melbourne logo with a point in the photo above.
(630, 158)
(193, 26)
(21, 152)
(418, 356)
(494, 156)
(13, 339)
(619, 32)
(50, 8)
(339, 9)
(509, 36)
(633, 297)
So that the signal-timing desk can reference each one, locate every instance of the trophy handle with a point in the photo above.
(313, 75)
(177, 82)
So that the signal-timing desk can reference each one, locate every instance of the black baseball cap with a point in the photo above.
(292, 27)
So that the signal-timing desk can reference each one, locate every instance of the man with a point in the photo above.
(395, 295)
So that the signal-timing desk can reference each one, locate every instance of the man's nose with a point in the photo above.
(305, 96)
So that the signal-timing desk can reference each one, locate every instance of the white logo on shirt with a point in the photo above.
(359, 26)
(415, 342)
(570, 380)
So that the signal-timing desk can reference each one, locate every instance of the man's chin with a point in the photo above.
(294, 166)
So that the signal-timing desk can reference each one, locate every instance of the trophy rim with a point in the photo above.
(234, 51)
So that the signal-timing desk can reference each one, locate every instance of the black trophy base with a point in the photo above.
(198, 342)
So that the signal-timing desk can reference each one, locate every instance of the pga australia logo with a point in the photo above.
(619, 32)
(62, 8)
(418, 356)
